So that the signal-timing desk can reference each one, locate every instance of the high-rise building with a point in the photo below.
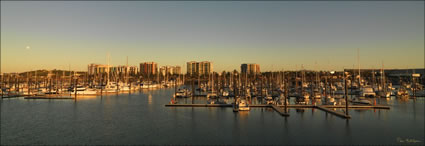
(148, 68)
(94, 69)
(199, 68)
(164, 70)
(172, 70)
(125, 70)
(177, 70)
(250, 69)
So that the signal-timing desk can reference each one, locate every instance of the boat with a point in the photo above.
(124, 88)
(305, 95)
(148, 85)
(269, 100)
(52, 92)
(367, 92)
(316, 94)
(243, 105)
(402, 92)
(384, 94)
(225, 93)
(330, 100)
(183, 93)
(235, 107)
(281, 100)
(300, 100)
(80, 90)
(361, 100)
(212, 94)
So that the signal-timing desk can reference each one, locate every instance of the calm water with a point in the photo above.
(142, 118)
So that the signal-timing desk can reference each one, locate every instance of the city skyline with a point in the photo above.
(276, 35)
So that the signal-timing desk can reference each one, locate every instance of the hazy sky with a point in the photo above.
(276, 35)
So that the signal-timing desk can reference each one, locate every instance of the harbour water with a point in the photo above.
(142, 118)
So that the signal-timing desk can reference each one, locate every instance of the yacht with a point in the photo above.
(243, 105)
(212, 94)
(402, 92)
(281, 100)
(305, 95)
(269, 100)
(384, 94)
(367, 92)
(225, 93)
(111, 87)
(183, 93)
(361, 100)
(83, 91)
(330, 100)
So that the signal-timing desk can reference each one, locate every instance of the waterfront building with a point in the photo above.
(95, 69)
(177, 70)
(126, 70)
(199, 68)
(171, 70)
(250, 69)
(148, 68)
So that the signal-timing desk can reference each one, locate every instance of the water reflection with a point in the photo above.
(348, 131)
(110, 120)
(150, 99)
(243, 115)
(86, 97)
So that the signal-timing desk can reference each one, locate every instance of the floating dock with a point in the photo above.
(342, 115)
(357, 106)
(12, 96)
(43, 97)
(279, 110)
(199, 105)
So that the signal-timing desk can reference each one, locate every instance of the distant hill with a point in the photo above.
(43, 73)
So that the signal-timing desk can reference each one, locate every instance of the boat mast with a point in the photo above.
(107, 70)
(358, 64)
(383, 78)
(126, 73)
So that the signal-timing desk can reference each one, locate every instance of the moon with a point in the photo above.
(27, 47)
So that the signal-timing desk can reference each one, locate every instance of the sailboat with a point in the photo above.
(212, 93)
(243, 105)
(384, 88)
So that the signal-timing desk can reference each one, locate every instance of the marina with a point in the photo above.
(212, 73)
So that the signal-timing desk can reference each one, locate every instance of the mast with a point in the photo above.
(126, 73)
(107, 70)
(358, 65)
(383, 78)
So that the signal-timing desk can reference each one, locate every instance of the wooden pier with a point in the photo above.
(199, 105)
(342, 115)
(11, 96)
(279, 110)
(275, 107)
(357, 106)
(44, 97)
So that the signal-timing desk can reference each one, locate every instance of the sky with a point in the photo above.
(283, 35)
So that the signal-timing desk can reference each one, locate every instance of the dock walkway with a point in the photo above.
(357, 106)
(342, 115)
(279, 110)
(44, 97)
(199, 105)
